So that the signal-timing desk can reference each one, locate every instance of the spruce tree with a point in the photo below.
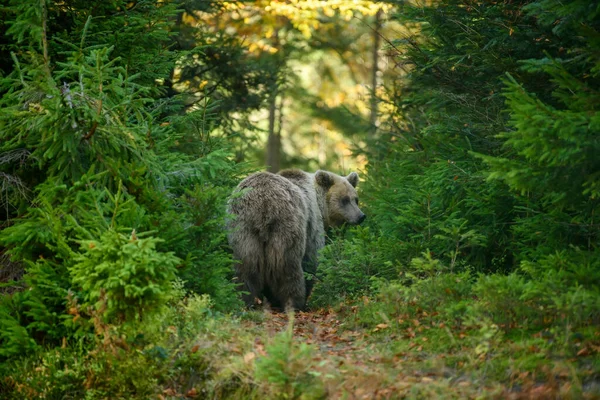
(95, 153)
(551, 149)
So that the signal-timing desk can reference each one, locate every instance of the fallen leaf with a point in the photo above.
(564, 374)
(583, 352)
(195, 348)
(523, 375)
(192, 393)
(382, 326)
(248, 357)
(565, 389)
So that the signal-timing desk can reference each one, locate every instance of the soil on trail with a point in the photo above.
(356, 363)
(353, 366)
(320, 328)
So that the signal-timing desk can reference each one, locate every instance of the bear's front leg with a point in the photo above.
(309, 267)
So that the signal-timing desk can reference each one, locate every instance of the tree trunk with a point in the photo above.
(375, 70)
(274, 140)
(273, 159)
(322, 155)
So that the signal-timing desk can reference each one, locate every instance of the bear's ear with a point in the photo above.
(324, 179)
(353, 178)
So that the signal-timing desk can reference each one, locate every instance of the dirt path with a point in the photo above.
(354, 367)
(363, 364)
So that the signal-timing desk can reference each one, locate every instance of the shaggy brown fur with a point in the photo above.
(278, 225)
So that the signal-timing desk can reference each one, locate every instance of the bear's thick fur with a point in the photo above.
(278, 225)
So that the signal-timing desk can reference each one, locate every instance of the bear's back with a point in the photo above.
(267, 202)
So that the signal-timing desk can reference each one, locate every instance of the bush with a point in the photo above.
(446, 297)
(91, 149)
(123, 276)
(500, 298)
(287, 371)
(134, 361)
(347, 267)
(558, 290)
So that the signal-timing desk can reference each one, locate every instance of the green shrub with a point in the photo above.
(134, 361)
(445, 297)
(500, 298)
(560, 289)
(195, 231)
(124, 276)
(565, 286)
(15, 340)
(94, 148)
(348, 266)
(287, 371)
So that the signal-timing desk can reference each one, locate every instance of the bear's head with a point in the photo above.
(341, 199)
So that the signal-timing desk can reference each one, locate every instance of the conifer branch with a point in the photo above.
(91, 132)
(88, 135)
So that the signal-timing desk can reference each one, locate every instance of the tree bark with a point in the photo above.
(45, 36)
(273, 159)
(374, 71)
(274, 140)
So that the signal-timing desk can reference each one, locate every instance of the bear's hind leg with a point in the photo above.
(285, 277)
(273, 300)
(251, 288)
(249, 253)
(292, 291)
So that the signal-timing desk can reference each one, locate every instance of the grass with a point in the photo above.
(379, 347)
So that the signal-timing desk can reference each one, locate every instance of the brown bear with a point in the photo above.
(277, 226)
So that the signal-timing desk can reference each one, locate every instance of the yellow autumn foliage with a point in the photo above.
(303, 14)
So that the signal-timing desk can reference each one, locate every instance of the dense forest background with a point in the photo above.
(474, 125)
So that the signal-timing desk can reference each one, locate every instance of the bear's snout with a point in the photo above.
(356, 221)
(361, 218)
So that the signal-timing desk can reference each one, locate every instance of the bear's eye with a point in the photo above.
(345, 201)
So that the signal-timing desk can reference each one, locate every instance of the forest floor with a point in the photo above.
(353, 351)
(401, 359)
